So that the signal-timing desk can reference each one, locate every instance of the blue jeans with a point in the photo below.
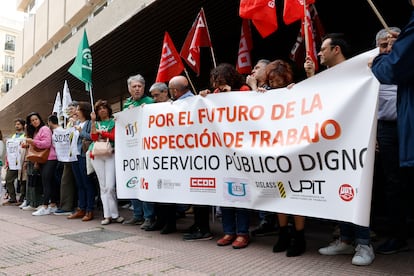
(143, 209)
(85, 187)
(235, 220)
(352, 232)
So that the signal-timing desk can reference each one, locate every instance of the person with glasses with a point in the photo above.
(335, 50)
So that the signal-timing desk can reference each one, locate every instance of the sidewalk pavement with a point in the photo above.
(55, 245)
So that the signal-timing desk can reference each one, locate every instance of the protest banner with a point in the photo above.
(308, 150)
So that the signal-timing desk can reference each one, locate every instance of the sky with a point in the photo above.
(8, 10)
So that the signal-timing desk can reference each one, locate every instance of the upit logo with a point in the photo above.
(131, 129)
(346, 192)
(203, 182)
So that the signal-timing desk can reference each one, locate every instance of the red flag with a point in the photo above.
(244, 61)
(170, 63)
(293, 10)
(197, 37)
(262, 13)
(311, 46)
(316, 32)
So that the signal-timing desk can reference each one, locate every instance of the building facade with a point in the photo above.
(9, 31)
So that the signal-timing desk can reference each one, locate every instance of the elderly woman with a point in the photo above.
(103, 128)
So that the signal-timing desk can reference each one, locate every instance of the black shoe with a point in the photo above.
(198, 236)
(296, 248)
(156, 226)
(168, 229)
(284, 240)
(193, 228)
(133, 221)
(392, 246)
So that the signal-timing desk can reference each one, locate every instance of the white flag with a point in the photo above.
(57, 107)
(66, 99)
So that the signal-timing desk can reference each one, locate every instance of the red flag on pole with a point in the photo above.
(262, 13)
(293, 10)
(244, 61)
(170, 63)
(316, 32)
(197, 37)
(311, 49)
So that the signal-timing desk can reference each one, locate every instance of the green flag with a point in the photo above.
(82, 66)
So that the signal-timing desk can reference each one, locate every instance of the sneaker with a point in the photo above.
(52, 209)
(41, 212)
(131, 208)
(60, 212)
(106, 221)
(147, 223)
(336, 248)
(264, 229)
(392, 246)
(134, 221)
(364, 255)
(29, 208)
(126, 206)
(24, 204)
(118, 219)
(198, 236)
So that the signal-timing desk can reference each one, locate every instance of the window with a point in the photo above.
(8, 84)
(8, 64)
(10, 43)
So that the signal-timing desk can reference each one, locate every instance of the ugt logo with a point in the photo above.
(131, 129)
(144, 184)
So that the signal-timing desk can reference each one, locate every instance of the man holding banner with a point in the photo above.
(335, 50)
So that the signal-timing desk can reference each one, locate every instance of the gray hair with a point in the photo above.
(160, 86)
(265, 61)
(384, 33)
(137, 78)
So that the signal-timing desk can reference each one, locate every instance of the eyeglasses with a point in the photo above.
(330, 46)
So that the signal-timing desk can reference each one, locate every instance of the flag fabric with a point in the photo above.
(293, 10)
(57, 107)
(197, 37)
(170, 63)
(307, 26)
(316, 32)
(244, 61)
(262, 13)
(66, 100)
(82, 66)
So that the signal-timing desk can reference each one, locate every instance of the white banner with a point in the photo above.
(65, 142)
(15, 153)
(306, 151)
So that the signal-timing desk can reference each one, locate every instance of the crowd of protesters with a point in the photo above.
(42, 184)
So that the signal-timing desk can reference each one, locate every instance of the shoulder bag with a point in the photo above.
(102, 148)
(35, 154)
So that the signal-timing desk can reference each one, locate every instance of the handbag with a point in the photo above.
(35, 154)
(85, 144)
(102, 148)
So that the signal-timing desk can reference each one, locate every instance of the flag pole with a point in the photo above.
(90, 94)
(381, 19)
(189, 80)
(305, 28)
(214, 57)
